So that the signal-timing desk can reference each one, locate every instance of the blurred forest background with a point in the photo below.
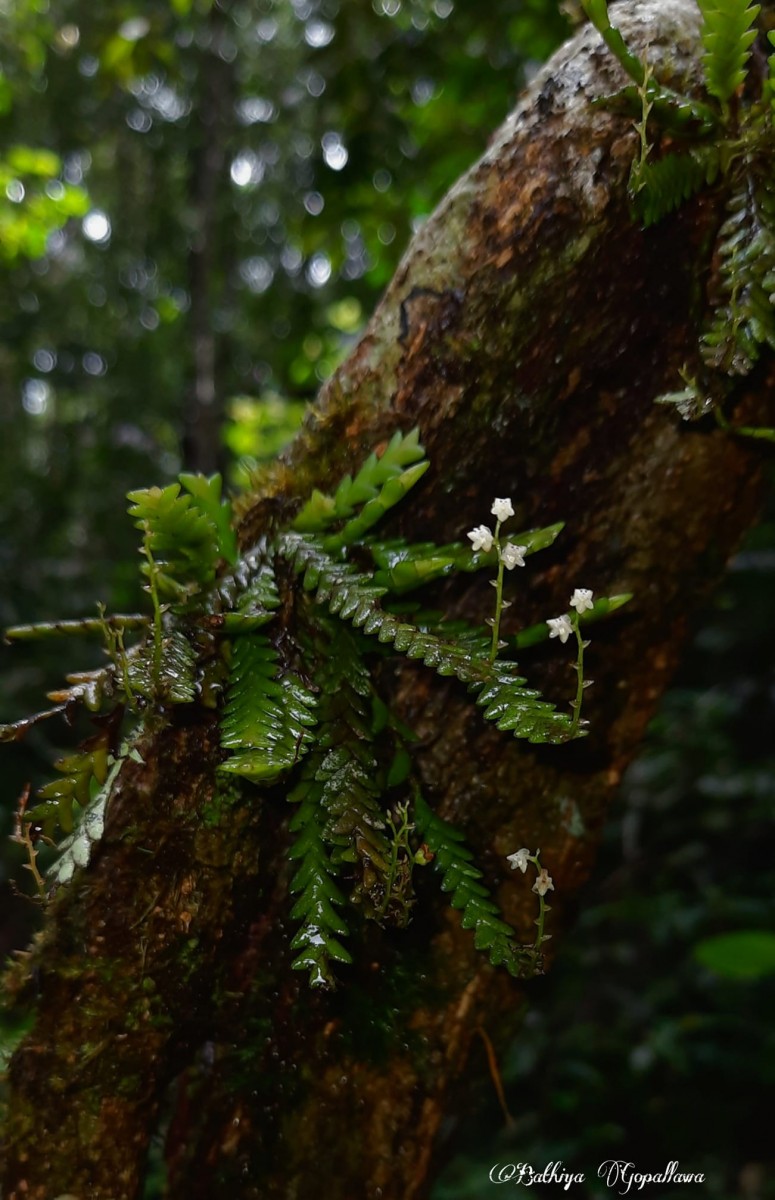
(200, 204)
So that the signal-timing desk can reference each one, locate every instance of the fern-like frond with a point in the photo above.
(769, 83)
(402, 566)
(672, 112)
(454, 861)
(72, 787)
(355, 824)
(175, 680)
(597, 11)
(267, 717)
(182, 538)
(321, 510)
(259, 598)
(657, 188)
(76, 849)
(476, 640)
(353, 597)
(207, 494)
(744, 320)
(90, 688)
(727, 36)
(373, 510)
(84, 627)
(347, 771)
(317, 941)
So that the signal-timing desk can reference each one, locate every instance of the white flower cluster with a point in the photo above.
(562, 627)
(519, 860)
(483, 538)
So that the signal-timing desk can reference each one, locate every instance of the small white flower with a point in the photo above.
(560, 627)
(543, 883)
(513, 556)
(581, 600)
(501, 509)
(519, 859)
(481, 538)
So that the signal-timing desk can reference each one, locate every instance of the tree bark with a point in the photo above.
(527, 332)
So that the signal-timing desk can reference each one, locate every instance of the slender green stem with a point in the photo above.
(579, 676)
(641, 126)
(123, 664)
(542, 907)
(534, 951)
(87, 626)
(23, 835)
(154, 590)
(496, 623)
(32, 864)
(399, 842)
(116, 649)
(761, 432)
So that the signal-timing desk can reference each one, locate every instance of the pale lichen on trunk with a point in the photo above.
(527, 330)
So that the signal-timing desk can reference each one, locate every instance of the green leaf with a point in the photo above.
(373, 510)
(267, 717)
(658, 188)
(748, 954)
(176, 679)
(353, 597)
(258, 600)
(535, 634)
(207, 496)
(320, 511)
(73, 787)
(318, 896)
(452, 860)
(671, 111)
(727, 36)
(403, 566)
(87, 626)
(597, 11)
(182, 538)
(743, 318)
(346, 767)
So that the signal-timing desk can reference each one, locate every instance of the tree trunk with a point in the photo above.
(202, 445)
(526, 332)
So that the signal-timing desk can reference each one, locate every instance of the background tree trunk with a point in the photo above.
(527, 332)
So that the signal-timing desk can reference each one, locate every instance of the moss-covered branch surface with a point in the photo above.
(526, 332)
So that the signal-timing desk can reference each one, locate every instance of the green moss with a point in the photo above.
(217, 810)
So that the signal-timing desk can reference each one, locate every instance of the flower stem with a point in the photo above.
(400, 861)
(496, 624)
(154, 590)
(542, 907)
(762, 432)
(576, 704)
